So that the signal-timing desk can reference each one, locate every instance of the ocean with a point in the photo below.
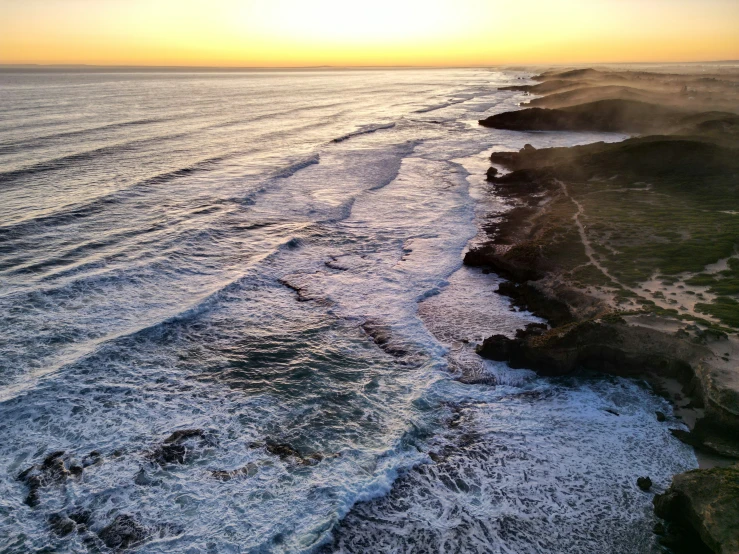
(274, 259)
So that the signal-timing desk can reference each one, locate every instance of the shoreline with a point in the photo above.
(600, 316)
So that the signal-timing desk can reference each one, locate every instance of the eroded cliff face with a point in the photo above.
(706, 501)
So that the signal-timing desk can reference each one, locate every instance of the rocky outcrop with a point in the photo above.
(603, 345)
(179, 447)
(707, 503)
(123, 532)
(55, 469)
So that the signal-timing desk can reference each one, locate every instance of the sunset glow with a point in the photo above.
(381, 32)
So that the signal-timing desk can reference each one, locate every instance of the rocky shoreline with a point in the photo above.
(568, 260)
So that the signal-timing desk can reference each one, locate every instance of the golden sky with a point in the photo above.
(365, 32)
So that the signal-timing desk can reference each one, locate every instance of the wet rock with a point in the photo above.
(661, 416)
(61, 525)
(288, 453)
(644, 483)
(123, 532)
(52, 470)
(249, 470)
(179, 447)
(706, 502)
(283, 450)
(491, 173)
(614, 412)
(81, 517)
(92, 458)
(184, 434)
(381, 335)
(710, 438)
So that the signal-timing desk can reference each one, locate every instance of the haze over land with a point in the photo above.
(288, 33)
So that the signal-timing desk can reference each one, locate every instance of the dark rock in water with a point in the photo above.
(289, 453)
(92, 458)
(644, 483)
(81, 517)
(382, 337)
(283, 450)
(491, 173)
(528, 148)
(661, 416)
(61, 525)
(248, 470)
(170, 454)
(176, 449)
(123, 532)
(184, 434)
(497, 347)
(704, 502)
(52, 459)
(75, 470)
(52, 470)
(614, 412)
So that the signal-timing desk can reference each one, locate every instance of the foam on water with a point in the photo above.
(301, 284)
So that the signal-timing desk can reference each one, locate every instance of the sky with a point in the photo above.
(293, 33)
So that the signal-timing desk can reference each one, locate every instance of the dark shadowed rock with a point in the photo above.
(661, 416)
(52, 470)
(123, 532)
(179, 447)
(491, 173)
(644, 483)
(61, 525)
(381, 335)
(184, 434)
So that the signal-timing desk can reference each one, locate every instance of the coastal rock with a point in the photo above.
(661, 416)
(609, 115)
(707, 502)
(491, 173)
(381, 335)
(644, 483)
(179, 447)
(710, 437)
(52, 470)
(123, 532)
(61, 525)
(285, 452)
(249, 470)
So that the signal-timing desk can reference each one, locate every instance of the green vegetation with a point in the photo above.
(724, 308)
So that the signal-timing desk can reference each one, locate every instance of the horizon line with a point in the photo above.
(96, 67)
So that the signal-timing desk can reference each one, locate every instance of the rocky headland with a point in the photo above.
(630, 251)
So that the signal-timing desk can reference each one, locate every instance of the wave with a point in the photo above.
(440, 106)
(63, 162)
(292, 169)
(97, 346)
(10, 148)
(76, 212)
(364, 130)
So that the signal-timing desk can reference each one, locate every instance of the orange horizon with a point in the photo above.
(387, 33)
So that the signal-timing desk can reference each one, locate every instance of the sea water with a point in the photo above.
(275, 257)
